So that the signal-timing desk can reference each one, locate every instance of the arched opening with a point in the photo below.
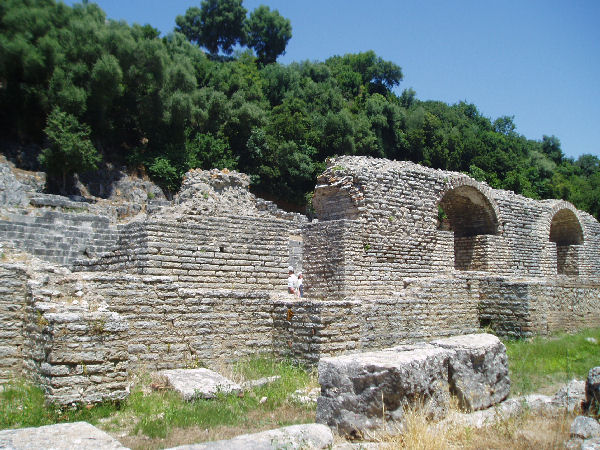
(470, 215)
(567, 234)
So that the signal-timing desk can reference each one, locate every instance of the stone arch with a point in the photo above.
(565, 228)
(469, 212)
(566, 232)
(472, 215)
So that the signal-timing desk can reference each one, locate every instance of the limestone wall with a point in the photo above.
(215, 252)
(172, 325)
(77, 356)
(13, 281)
(447, 222)
(76, 351)
(59, 237)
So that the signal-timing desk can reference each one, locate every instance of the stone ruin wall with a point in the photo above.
(202, 279)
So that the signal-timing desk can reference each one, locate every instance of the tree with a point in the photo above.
(551, 147)
(217, 24)
(268, 33)
(70, 147)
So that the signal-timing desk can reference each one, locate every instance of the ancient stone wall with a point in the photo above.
(173, 325)
(406, 216)
(59, 237)
(75, 351)
(215, 252)
(13, 281)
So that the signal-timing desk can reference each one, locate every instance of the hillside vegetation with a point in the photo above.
(84, 88)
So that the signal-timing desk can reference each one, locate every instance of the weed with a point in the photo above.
(338, 168)
(97, 327)
(41, 321)
(151, 195)
(367, 247)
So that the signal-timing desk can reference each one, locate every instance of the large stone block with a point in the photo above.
(592, 390)
(199, 383)
(478, 370)
(63, 436)
(360, 391)
(312, 435)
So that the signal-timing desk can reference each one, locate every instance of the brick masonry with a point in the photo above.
(400, 254)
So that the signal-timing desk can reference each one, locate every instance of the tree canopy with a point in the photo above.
(216, 25)
(162, 106)
(268, 34)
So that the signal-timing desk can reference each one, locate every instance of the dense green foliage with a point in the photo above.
(70, 148)
(163, 105)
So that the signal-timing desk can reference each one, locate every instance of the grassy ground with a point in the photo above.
(157, 418)
(541, 363)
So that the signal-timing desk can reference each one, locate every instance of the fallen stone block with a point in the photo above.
(592, 391)
(199, 383)
(63, 436)
(571, 396)
(293, 437)
(585, 428)
(360, 391)
(478, 370)
(251, 384)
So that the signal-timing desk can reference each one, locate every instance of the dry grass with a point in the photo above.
(256, 421)
(527, 431)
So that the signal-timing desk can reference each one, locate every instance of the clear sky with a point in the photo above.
(538, 60)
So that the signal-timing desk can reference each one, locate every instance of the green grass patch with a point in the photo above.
(156, 414)
(543, 361)
(23, 405)
(160, 412)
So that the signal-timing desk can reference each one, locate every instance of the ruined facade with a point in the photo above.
(399, 253)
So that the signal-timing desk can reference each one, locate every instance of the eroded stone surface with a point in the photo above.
(63, 436)
(478, 370)
(592, 390)
(585, 428)
(571, 396)
(358, 390)
(313, 436)
(199, 383)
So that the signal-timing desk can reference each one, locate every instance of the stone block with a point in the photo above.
(592, 391)
(585, 428)
(63, 436)
(199, 383)
(312, 435)
(359, 391)
(478, 370)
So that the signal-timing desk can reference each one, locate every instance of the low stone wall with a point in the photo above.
(77, 356)
(76, 352)
(522, 308)
(59, 237)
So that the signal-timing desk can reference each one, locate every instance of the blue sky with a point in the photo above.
(537, 60)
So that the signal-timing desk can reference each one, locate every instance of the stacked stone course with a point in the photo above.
(400, 254)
